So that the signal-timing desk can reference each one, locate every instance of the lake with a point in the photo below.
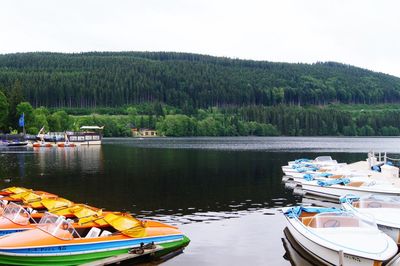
(223, 193)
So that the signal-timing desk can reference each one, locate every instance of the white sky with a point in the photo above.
(364, 33)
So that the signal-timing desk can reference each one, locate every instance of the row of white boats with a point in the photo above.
(365, 230)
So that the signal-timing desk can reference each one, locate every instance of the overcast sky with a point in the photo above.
(364, 33)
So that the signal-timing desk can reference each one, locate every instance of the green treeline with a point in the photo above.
(277, 120)
(187, 81)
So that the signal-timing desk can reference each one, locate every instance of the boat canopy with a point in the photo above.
(27, 196)
(52, 203)
(15, 190)
(298, 210)
(310, 177)
(91, 127)
(339, 219)
(305, 169)
(16, 214)
(338, 181)
(124, 223)
(302, 160)
(57, 226)
(83, 212)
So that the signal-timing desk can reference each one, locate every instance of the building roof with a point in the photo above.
(92, 127)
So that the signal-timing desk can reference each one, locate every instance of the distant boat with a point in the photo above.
(12, 140)
(17, 144)
(66, 144)
(42, 144)
(89, 135)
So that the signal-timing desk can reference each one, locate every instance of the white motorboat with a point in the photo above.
(301, 168)
(320, 160)
(343, 186)
(337, 237)
(385, 210)
(307, 169)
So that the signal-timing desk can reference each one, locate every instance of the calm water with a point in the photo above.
(222, 192)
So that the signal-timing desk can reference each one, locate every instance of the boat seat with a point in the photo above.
(93, 232)
(327, 222)
(336, 176)
(105, 233)
(356, 184)
(308, 221)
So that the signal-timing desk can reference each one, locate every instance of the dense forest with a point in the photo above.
(194, 95)
(187, 81)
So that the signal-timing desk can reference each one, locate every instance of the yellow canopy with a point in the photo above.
(51, 203)
(126, 224)
(78, 210)
(84, 212)
(30, 196)
(20, 195)
(15, 190)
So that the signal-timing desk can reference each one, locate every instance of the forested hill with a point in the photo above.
(186, 80)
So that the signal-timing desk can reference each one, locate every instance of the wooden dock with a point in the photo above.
(123, 257)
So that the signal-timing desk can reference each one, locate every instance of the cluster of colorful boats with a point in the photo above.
(40, 228)
(365, 230)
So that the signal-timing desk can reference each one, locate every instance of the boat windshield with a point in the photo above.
(375, 201)
(339, 219)
(57, 226)
(323, 159)
(3, 204)
(16, 214)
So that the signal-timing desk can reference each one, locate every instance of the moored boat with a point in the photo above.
(385, 210)
(55, 241)
(334, 236)
(89, 135)
(343, 186)
(17, 144)
(16, 218)
(66, 144)
(42, 144)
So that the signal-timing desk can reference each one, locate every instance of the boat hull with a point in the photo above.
(340, 191)
(63, 258)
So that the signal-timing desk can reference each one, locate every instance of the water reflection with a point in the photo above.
(88, 159)
(295, 254)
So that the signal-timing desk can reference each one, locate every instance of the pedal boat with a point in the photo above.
(337, 237)
(56, 241)
(66, 144)
(385, 210)
(34, 201)
(16, 218)
(42, 145)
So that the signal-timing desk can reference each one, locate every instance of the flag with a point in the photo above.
(22, 120)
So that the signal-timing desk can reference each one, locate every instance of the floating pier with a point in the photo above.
(138, 252)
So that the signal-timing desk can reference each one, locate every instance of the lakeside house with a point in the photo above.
(143, 132)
